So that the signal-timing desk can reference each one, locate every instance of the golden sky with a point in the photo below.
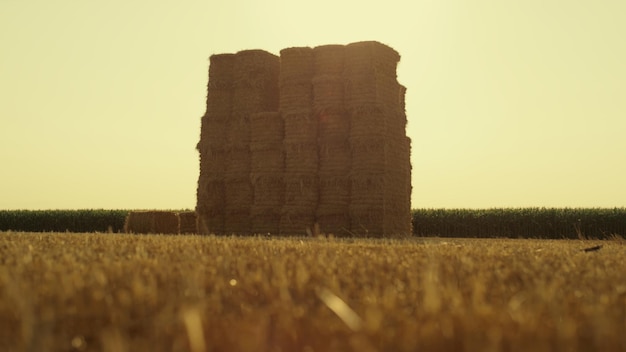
(510, 103)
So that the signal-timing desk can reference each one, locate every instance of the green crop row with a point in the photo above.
(471, 223)
(87, 220)
(520, 222)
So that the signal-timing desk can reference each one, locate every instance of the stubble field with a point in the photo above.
(114, 292)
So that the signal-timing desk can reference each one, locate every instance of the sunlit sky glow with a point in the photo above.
(510, 104)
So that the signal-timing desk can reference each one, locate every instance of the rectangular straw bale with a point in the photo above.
(221, 72)
(211, 192)
(376, 221)
(328, 91)
(301, 158)
(268, 160)
(295, 220)
(248, 100)
(337, 224)
(296, 95)
(300, 126)
(368, 57)
(162, 222)
(238, 161)
(212, 162)
(329, 59)
(333, 125)
(210, 220)
(334, 191)
(382, 150)
(266, 128)
(296, 65)
(238, 192)
(369, 120)
(239, 130)
(301, 190)
(372, 89)
(213, 131)
(335, 158)
(367, 221)
(268, 190)
(255, 82)
(219, 102)
(187, 222)
(256, 69)
(237, 221)
(265, 219)
(219, 87)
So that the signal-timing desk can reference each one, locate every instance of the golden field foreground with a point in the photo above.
(114, 292)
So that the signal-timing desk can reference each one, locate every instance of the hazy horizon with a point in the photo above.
(509, 105)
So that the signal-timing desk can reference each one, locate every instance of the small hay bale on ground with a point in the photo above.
(187, 221)
(164, 222)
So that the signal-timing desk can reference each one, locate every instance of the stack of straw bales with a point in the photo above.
(267, 168)
(239, 85)
(213, 144)
(317, 136)
(255, 82)
(300, 180)
(334, 151)
(380, 171)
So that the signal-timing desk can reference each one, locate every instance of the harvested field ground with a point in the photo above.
(112, 292)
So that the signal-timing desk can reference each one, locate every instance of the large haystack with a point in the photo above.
(317, 136)
(239, 85)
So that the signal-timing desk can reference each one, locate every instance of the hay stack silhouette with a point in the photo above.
(317, 136)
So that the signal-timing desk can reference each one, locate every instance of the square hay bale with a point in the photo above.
(266, 128)
(257, 69)
(214, 130)
(239, 130)
(329, 59)
(301, 158)
(368, 57)
(238, 193)
(238, 161)
(328, 91)
(300, 127)
(237, 221)
(269, 189)
(296, 65)
(334, 191)
(372, 89)
(210, 220)
(376, 221)
(221, 71)
(333, 125)
(211, 192)
(335, 224)
(270, 161)
(219, 102)
(301, 190)
(265, 220)
(335, 158)
(295, 220)
(295, 95)
(376, 120)
(187, 222)
(156, 222)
